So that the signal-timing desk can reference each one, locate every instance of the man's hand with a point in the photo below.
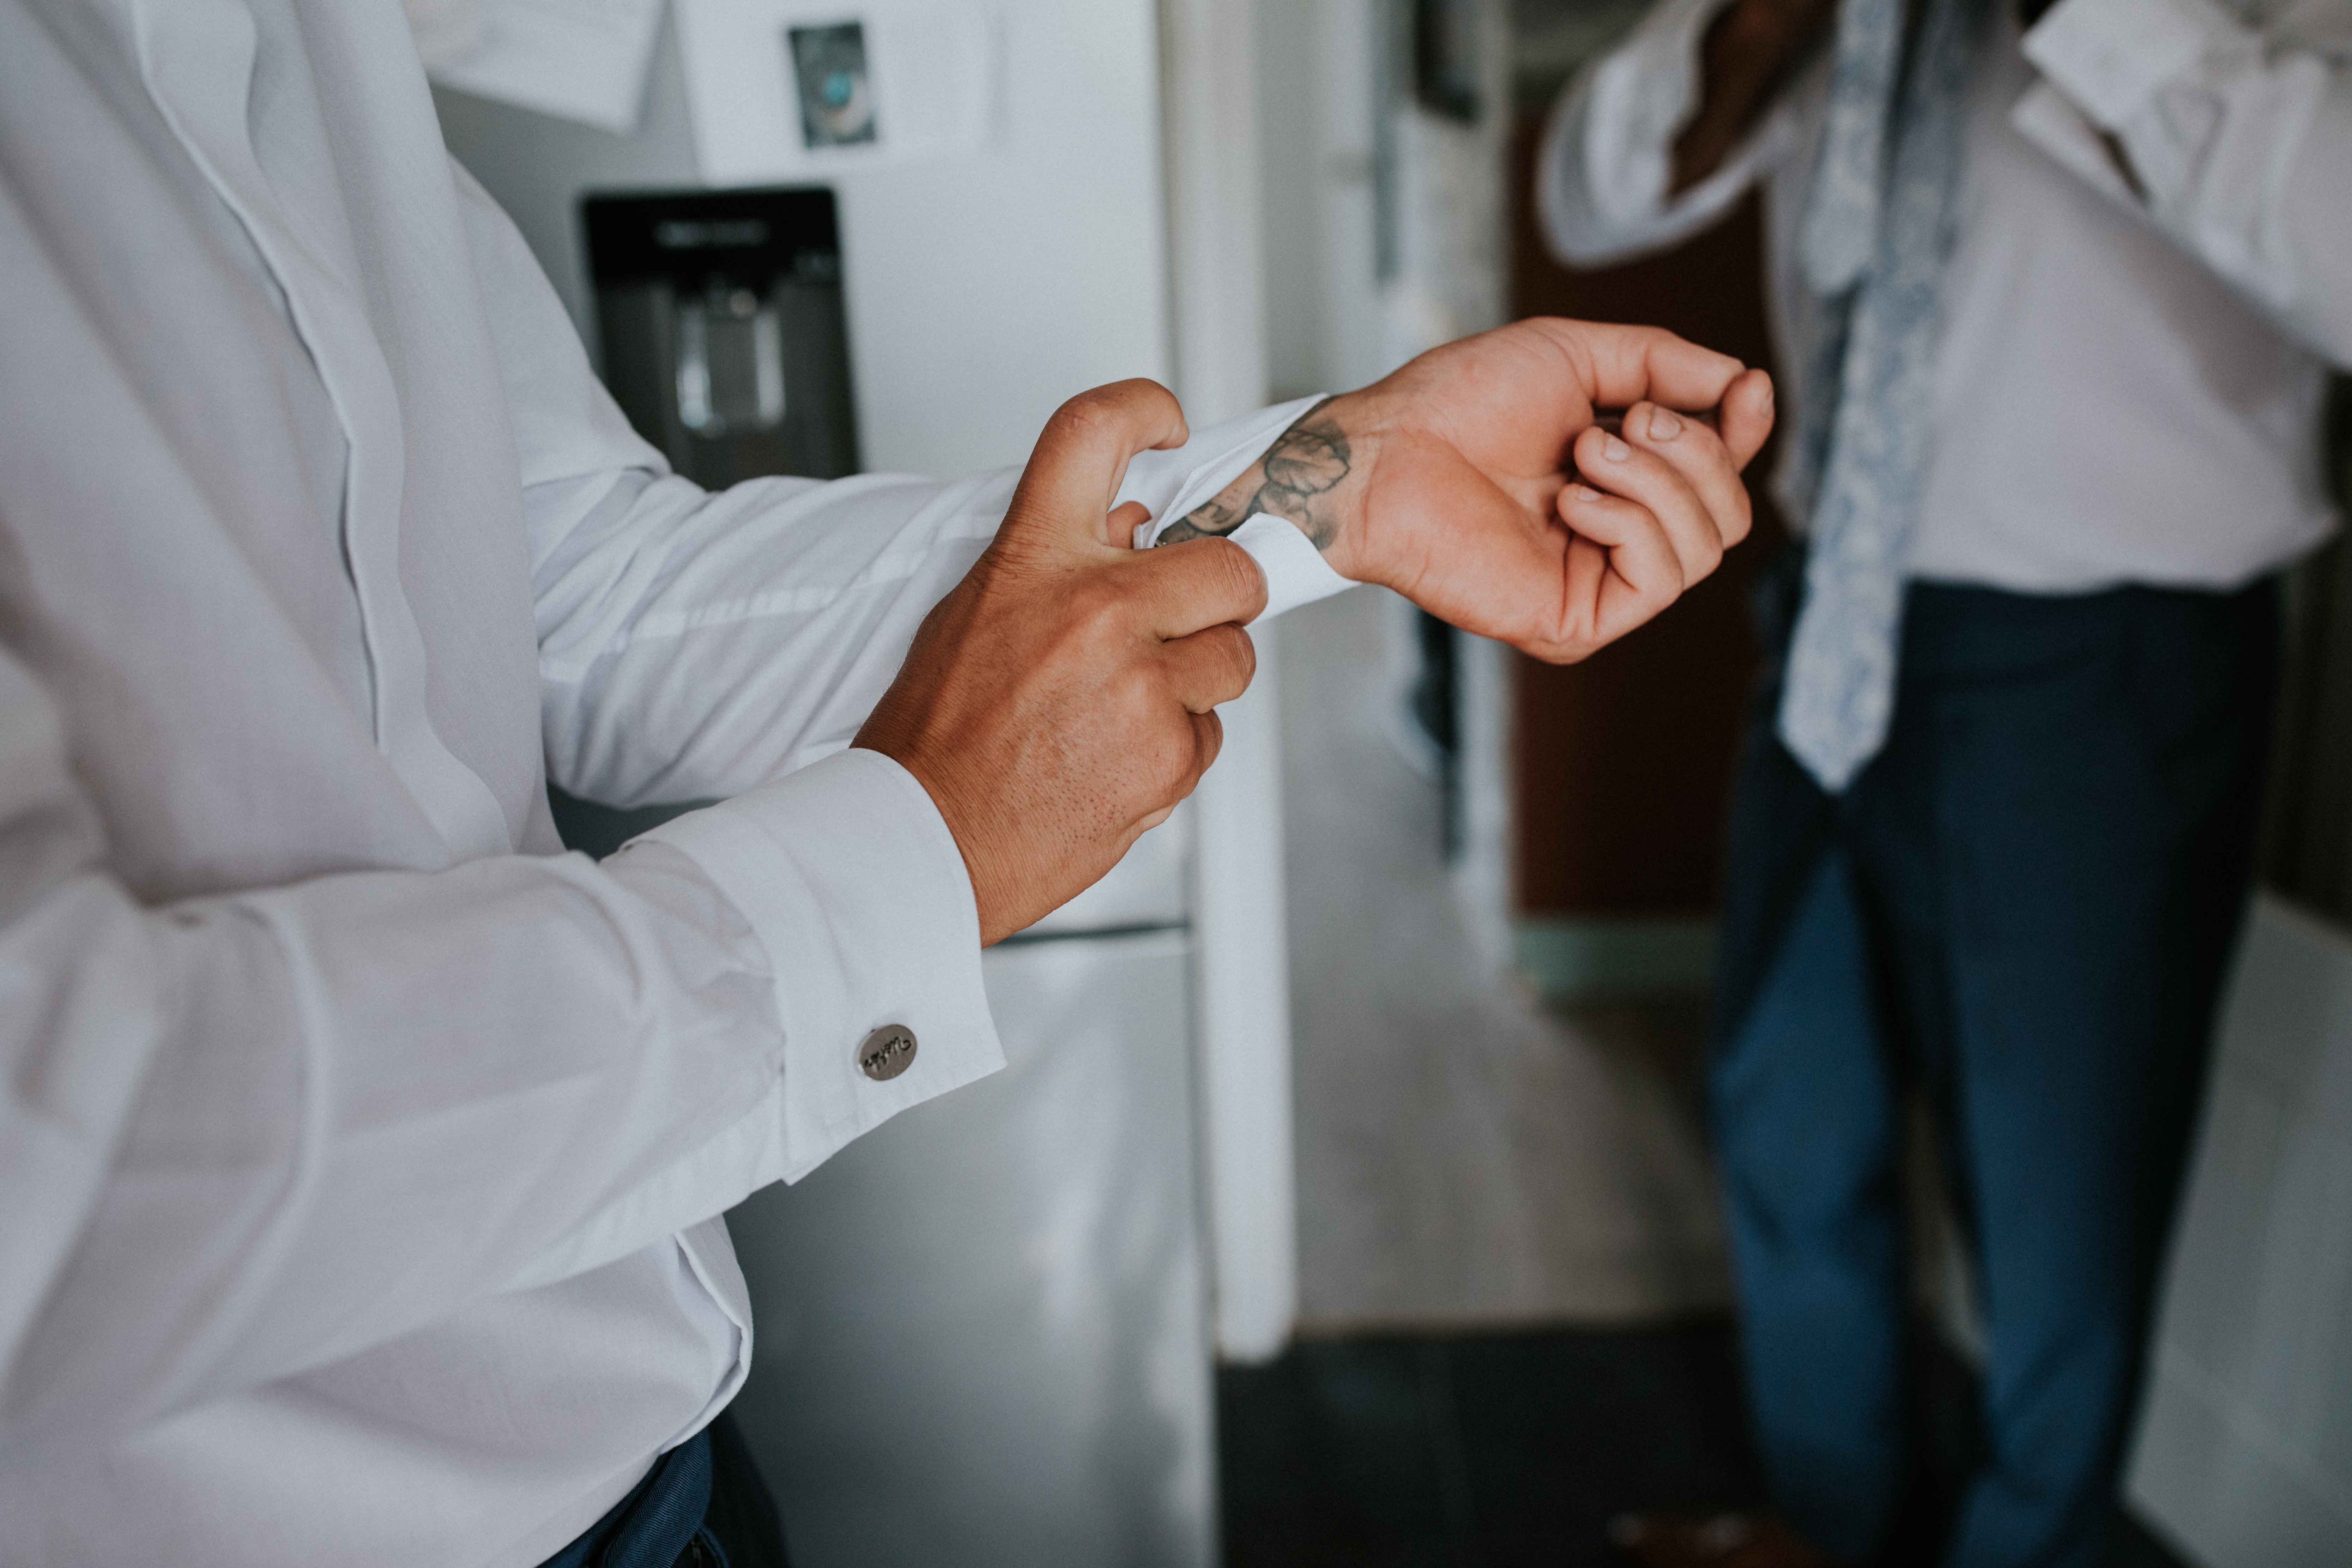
(1746, 56)
(1476, 482)
(1058, 702)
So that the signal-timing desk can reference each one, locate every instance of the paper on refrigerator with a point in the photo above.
(787, 90)
(578, 60)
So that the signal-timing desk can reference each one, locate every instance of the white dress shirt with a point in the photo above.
(2128, 383)
(361, 1152)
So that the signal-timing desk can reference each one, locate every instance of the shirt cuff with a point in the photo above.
(2111, 56)
(2048, 118)
(1640, 95)
(852, 882)
(1171, 485)
(1296, 572)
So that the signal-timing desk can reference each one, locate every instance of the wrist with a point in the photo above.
(1361, 420)
(960, 813)
(1311, 477)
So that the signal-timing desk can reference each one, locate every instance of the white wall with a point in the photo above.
(1317, 82)
(981, 292)
(1215, 152)
(2244, 1457)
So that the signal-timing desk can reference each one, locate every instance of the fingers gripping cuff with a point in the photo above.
(1296, 572)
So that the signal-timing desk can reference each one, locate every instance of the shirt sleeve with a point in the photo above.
(255, 1132)
(2236, 139)
(694, 644)
(1608, 149)
(247, 1134)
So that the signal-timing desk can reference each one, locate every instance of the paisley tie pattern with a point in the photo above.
(1877, 233)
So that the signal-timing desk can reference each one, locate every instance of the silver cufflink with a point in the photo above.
(886, 1052)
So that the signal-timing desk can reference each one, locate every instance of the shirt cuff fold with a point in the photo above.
(2111, 56)
(1642, 93)
(1295, 572)
(1172, 484)
(849, 877)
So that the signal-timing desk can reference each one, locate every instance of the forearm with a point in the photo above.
(372, 1099)
(1062, 698)
(344, 1108)
(256, 1131)
(693, 646)
(1449, 481)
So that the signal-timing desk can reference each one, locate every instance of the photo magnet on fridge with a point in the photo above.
(788, 90)
(836, 92)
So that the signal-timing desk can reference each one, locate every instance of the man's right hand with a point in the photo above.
(1058, 702)
(1749, 50)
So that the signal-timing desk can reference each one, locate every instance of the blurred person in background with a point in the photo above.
(2057, 288)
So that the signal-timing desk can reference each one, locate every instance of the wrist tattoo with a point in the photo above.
(1295, 479)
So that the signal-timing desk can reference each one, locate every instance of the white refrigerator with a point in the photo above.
(986, 1331)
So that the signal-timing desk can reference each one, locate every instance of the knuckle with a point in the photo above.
(1237, 574)
(1242, 649)
(1084, 418)
(1144, 393)
(1706, 454)
(1710, 548)
(1208, 739)
(1658, 578)
(1175, 750)
(1098, 608)
(1743, 519)
(1219, 662)
(1101, 413)
(1142, 689)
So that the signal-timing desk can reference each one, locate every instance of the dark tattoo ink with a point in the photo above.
(1305, 465)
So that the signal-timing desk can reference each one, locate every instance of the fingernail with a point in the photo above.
(1583, 493)
(1664, 427)
(1616, 451)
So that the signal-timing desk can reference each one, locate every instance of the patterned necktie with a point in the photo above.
(1877, 232)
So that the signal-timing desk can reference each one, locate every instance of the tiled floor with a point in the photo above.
(1503, 1450)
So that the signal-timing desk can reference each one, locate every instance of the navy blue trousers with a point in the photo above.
(703, 1505)
(2021, 912)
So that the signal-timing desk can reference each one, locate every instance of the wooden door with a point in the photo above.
(1621, 766)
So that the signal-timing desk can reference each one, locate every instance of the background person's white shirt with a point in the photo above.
(359, 1152)
(2128, 384)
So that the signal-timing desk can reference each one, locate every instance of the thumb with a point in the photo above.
(1623, 365)
(1075, 469)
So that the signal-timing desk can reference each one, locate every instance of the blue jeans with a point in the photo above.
(2023, 911)
(703, 1505)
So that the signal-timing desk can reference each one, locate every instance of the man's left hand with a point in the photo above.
(1479, 482)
